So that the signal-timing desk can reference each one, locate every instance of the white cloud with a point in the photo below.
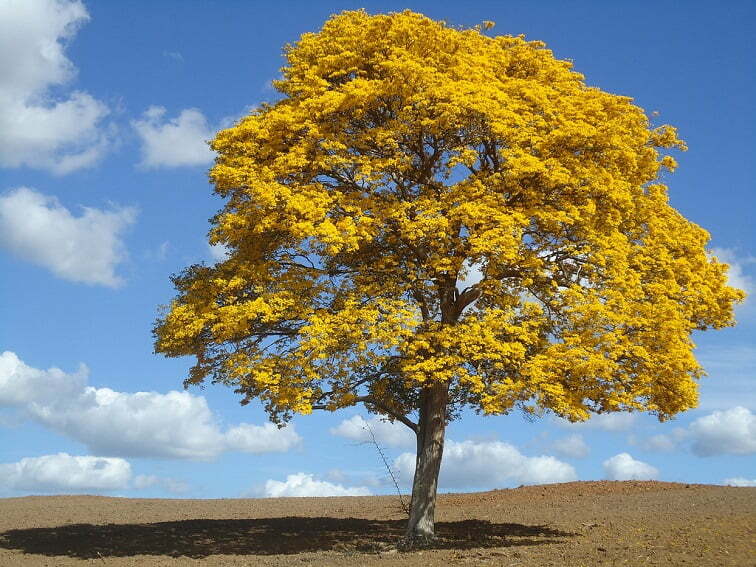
(358, 477)
(730, 432)
(168, 484)
(661, 443)
(24, 386)
(571, 446)
(218, 252)
(473, 274)
(386, 433)
(624, 467)
(664, 443)
(175, 425)
(37, 128)
(490, 464)
(302, 484)
(143, 481)
(736, 276)
(66, 473)
(727, 432)
(614, 422)
(266, 438)
(740, 481)
(181, 141)
(85, 248)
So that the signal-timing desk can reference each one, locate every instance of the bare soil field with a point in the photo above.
(572, 524)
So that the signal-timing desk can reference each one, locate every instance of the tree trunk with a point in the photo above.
(430, 449)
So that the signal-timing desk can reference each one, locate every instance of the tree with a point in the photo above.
(431, 219)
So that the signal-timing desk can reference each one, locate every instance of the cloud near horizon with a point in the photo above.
(304, 485)
(176, 425)
(65, 473)
(740, 481)
(62, 473)
(171, 485)
(488, 464)
(625, 467)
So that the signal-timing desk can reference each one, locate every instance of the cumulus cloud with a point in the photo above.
(725, 432)
(38, 128)
(66, 473)
(177, 142)
(302, 484)
(386, 433)
(489, 464)
(740, 481)
(624, 467)
(571, 446)
(266, 438)
(730, 432)
(176, 425)
(85, 248)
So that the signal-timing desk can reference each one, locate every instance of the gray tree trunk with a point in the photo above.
(430, 449)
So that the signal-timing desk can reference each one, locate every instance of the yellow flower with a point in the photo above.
(402, 153)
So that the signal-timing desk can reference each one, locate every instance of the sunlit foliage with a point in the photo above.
(428, 204)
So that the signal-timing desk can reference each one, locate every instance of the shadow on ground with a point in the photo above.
(266, 536)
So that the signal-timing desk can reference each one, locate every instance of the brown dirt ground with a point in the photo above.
(572, 524)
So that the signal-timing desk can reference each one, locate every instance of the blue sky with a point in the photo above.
(105, 108)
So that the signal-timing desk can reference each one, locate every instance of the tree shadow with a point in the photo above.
(264, 536)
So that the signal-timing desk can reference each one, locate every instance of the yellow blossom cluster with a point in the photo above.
(403, 156)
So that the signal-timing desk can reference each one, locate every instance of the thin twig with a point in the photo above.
(388, 468)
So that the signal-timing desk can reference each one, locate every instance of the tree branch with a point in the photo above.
(388, 411)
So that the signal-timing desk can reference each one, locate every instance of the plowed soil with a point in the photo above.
(572, 524)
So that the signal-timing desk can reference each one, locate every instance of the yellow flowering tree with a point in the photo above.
(431, 219)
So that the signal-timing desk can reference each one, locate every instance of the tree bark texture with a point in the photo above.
(430, 449)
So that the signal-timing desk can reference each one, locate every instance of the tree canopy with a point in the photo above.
(432, 205)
